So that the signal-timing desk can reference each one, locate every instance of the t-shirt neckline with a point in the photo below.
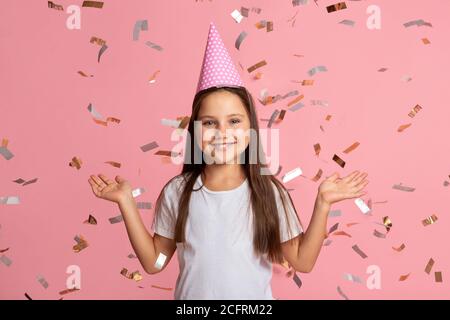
(242, 185)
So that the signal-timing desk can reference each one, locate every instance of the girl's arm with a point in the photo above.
(302, 251)
(146, 247)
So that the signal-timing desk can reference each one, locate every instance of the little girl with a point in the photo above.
(227, 220)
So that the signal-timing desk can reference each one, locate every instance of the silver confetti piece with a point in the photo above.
(144, 205)
(137, 192)
(6, 153)
(335, 213)
(170, 123)
(149, 146)
(239, 39)
(322, 103)
(403, 188)
(102, 50)
(359, 251)
(154, 46)
(327, 242)
(10, 200)
(342, 293)
(296, 106)
(297, 280)
(42, 281)
(5, 260)
(298, 2)
(352, 278)
(140, 25)
(273, 117)
(94, 112)
(378, 234)
(348, 22)
(116, 219)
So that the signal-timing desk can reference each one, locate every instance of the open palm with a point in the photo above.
(108, 189)
(334, 189)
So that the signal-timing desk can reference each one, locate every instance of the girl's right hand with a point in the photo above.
(111, 190)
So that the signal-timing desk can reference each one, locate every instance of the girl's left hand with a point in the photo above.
(334, 189)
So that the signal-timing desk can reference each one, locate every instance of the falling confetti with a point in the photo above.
(399, 249)
(52, 5)
(404, 277)
(336, 7)
(292, 175)
(136, 276)
(91, 220)
(81, 244)
(359, 251)
(93, 4)
(339, 161)
(351, 148)
(403, 188)
(430, 220)
(429, 266)
(140, 25)
(76, 162)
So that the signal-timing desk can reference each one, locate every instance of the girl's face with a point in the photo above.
(224, 127)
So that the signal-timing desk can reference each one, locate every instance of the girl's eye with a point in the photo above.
(208, 122)
(235, 121)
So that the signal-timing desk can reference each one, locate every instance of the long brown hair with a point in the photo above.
(266, 227)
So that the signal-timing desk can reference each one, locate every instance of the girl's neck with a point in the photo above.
(225, 175)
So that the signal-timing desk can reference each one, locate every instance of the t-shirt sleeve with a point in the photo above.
(165, 216)
(294, 222)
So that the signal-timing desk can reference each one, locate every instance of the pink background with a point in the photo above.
(44, 115)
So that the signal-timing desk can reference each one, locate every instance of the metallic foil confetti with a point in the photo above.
(137, 192)
(429, 266)
(184, 121)
(93, 4)
(430, 220)
(298, 2)
(446, 183)
(352, 278)
(152, 78)
(382, 69)
(359, 251)
(274, 115)
(346, 22)
(351, 148)
(294, 101)
(342, 293)
(84, 74)
(316, 69)
(296, 106)
(322, 103)
(256, 66)
(167, 153)
(406, 78)
(4, 250)
(417, 23)
(149, 146)
(102, 50)
(240, 38)
(27, 296)
(387, 223)
(160, 261)
(81, 244)
(403, 188)
(5, 260)
(317, 148)
(402, 246)
(362, 206)
(132, 256)
(136, 276)
(297, 280)
(404, 277)
(378, 234)
(333, 228)
(327, 242)
(67, 291)
(97, 41)
(341, 233)
(414, 111)
(76, 162)
(438, 276)
(10, 200)
(318, 175)
(144, 205)
(116, 219)
(352, 224)
(335, 213)
(339, 161)
(52, 5)
(154, 46)
(244, 12)
(269, 26)
(292, 175)
(170, 123)
(162, 288)
(140, 25)
(42, 281)
(91, 220)
(113, 163)
(6, 153)
(237, 16)
(336, 7)
(403, 127)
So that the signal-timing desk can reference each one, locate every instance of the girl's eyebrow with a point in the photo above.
(230, 115)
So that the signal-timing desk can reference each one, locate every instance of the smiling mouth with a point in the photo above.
(223, 145)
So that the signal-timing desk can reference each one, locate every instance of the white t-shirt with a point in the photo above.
(217, 260)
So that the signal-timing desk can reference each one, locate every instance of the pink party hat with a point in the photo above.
(218, 69)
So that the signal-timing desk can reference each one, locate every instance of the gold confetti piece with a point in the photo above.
(184, 122)
(403, 188)
(93, 4)
(352, 224)
(430, 220)
(68, 291)
(317, 176)
(339, 161)
(404, 277)
(149, 146)
(91, 220)
(152, 78)
(328, 117)
(403, 127)
(399, 249)
(414, 111)
(113, 163)
(387, 223)
(111, 119)
(307, 82)
(341, 293)
(116, 219)
(258, 76)
(4, 250)
(378, 234)
(341, 233)
(336, 7)
(297, 99)
(256, 66)
(81, 244)
(429, 265)
(136, 276)
(97, 41)
(167, 153)
(438, 276)
(84, 74)
(162, 288)
(76, 162)
(269, 26)
(317, 149)
(52, 5)
(425, 41)
(351, 148)
(359, 251)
